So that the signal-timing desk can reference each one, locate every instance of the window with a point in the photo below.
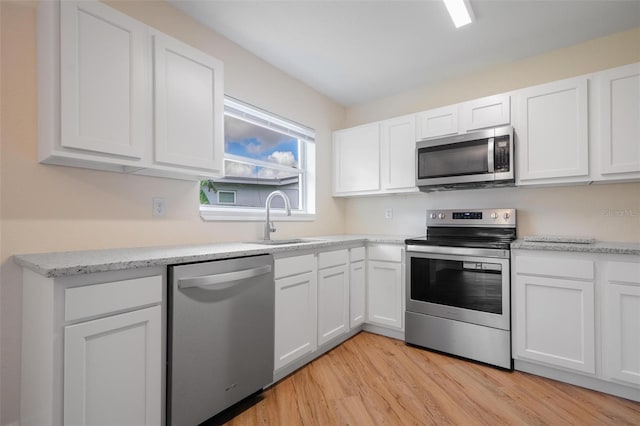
(226, 197)
(263, 153)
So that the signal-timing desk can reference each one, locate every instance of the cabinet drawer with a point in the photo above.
(333, 258)
(623, 272)
(385, 252)
(116, 296)
(288, 266)
(555, 267)
(356, 254)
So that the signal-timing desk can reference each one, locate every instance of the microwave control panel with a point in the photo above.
(501, 154)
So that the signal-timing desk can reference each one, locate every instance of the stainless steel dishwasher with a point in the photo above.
(220, 336)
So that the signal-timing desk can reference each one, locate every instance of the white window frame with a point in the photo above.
(226, 191)
(307, 157)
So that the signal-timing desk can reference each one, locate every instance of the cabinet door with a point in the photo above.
(333, 303)
(552, 133)
(102, 83)
(356, 159)
(486, 112)
(620, 120)
(357, 294)
(384, 294)
(622, 322)
(189, 113)
(437, 122)
(295, 318)
(398, 153)
(113, 371)
(555, 322)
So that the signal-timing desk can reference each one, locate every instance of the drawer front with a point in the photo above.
(555, 267)
(111, 297)
(289, 266)
(357, 254)
(330, 259)
(385, 252)
(624, 272)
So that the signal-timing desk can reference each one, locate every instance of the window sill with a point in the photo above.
(208, 213)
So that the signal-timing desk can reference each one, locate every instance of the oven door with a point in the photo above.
(472, 289)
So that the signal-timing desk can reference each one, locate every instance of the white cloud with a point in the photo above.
(238, 169)
(283, 158)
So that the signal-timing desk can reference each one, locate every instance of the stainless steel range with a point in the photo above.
(459, 284)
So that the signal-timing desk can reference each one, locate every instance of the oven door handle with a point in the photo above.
(490, 155)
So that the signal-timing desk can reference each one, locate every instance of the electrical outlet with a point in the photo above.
(388, 214)
(159, 207)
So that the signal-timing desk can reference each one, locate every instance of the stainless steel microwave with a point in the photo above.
(478, 159)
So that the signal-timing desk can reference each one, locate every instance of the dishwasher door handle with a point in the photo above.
(220, 281)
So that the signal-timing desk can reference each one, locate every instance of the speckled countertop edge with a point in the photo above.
(61, 264)
(596, 247)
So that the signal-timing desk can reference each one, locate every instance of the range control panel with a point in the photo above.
(475, 217)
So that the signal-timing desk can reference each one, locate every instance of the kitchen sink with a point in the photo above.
(282, 242)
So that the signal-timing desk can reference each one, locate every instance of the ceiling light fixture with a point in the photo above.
(460, 11)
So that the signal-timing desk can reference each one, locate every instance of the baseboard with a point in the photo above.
(384, 331)
(578, 380)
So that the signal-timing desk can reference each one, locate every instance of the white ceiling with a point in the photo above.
(356, 51)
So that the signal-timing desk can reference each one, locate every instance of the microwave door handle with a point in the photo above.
(490, 155)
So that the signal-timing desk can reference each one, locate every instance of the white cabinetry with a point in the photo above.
(296, 308)
(357, 286)
(398, 154)
(437, 122)
(555, 312)
(490, 111)
(576, 318)
(622, 322)
(103, 97)
(551, 128)
(617, 114)
(356, 159)
(188, 100)
(105, 80)
(376, 158)
(108, 367)
(385, 289)
(333, 294)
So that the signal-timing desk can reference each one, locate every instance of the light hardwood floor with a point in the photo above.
(374, 380)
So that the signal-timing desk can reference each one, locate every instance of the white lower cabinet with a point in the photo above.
(357, 287)
(333, 295)
(93, 348)
(112, 370)
(295, 310)
(622, 322)
(385, 289)
(576, 318)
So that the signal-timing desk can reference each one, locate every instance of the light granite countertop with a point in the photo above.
(557, 244)
(60, 264)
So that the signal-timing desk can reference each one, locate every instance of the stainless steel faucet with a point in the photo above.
(268, 226)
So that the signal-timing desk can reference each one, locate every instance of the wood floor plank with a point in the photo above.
(374, 380)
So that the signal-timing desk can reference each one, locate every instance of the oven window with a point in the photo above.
(464, 158)
(469, 285)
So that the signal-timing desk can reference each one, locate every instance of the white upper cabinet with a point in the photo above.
(376, 158)
(487, 112)
(398, 154)
(188, 106)
(437, 122)
(104, 83)
(551, 127)
(618, 116)
(491, 111)
(356, 160)
(102, 89)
